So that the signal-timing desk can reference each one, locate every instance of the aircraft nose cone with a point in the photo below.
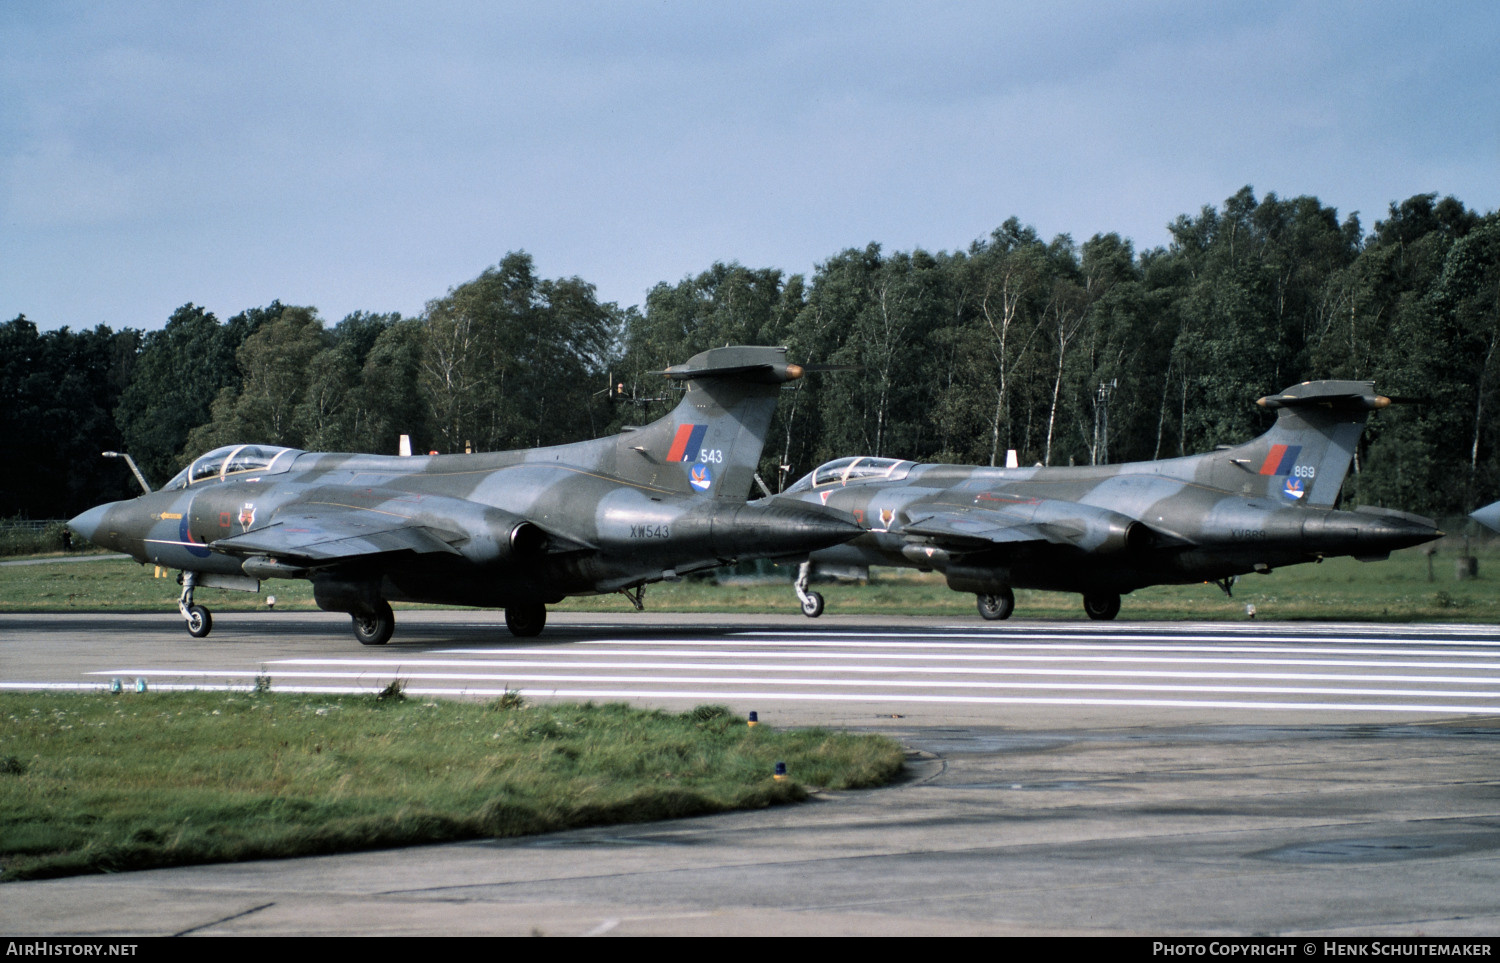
(90, 523)
(1488, 516)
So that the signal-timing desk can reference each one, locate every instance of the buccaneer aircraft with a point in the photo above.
(1107, 530)
(515, 530)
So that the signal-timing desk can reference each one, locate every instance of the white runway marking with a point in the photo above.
(1427, 672)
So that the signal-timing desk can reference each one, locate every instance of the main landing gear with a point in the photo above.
(812, 602)
(199, 620)
(526, 619)
(376, 627)
(997, 606)
(1101, 606)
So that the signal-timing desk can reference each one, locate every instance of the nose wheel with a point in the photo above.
(199, 620)
(812, 602)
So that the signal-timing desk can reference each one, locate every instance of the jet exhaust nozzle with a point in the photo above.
(781, 530)
(1367, 532)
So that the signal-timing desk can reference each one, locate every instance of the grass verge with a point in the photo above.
(103, 783)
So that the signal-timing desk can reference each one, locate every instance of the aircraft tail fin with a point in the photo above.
(711, 442)
(1306, 454)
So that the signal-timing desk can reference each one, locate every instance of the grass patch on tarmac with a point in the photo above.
(104, 783)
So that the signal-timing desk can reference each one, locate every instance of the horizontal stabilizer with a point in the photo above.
(736, 364)
(1337, 395)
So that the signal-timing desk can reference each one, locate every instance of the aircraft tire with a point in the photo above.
(1101, 606)
(998, 606)
(813, 607)
(526, 620)
(376, 629)
(199, 621)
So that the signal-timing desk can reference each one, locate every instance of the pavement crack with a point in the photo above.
(224, 919)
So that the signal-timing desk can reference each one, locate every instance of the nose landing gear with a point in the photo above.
(199, 620)
(812, 602)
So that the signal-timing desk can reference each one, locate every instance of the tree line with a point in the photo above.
(1066, 353)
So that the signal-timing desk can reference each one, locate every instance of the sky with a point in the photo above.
(371, 156)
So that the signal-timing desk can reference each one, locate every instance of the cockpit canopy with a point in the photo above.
(842, 471)
(234, 461)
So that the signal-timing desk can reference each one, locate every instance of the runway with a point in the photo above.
(1064, 777)
(795, 664)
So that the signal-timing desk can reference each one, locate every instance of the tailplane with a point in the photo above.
(1306, 454)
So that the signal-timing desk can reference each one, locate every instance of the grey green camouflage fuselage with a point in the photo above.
(1107, 530)
(515, 530)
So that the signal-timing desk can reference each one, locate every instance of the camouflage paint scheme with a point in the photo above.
(515, 530)
(1107, 530)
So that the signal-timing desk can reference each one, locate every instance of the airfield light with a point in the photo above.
(780, 772)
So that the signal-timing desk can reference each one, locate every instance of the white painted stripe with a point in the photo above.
(398, 665)
(55, 686)
(1484, 636)
(1220, 628)
(853, 683)
(710, 694)
(1348, 648)
(941, 657)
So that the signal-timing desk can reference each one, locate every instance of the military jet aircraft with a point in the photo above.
(1107, 530)
(514, 530)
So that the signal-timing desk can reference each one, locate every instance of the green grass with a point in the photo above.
(101, 783)
(1396, 590)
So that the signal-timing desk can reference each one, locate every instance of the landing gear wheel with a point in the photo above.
(1101, 606)
(526, 620)
(998, 606)
(812, 602)
(375, 629)
(199, 621)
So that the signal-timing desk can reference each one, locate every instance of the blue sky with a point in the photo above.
(369, 156)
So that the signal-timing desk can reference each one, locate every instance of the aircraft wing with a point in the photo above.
(1087, 528)
(974, 530)
(336, 533)
(331, 535)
